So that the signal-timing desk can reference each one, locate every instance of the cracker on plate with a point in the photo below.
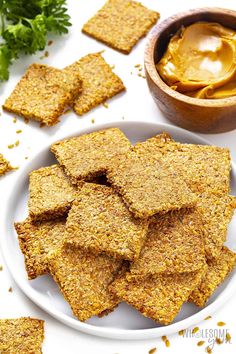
(99, 221)
(51, 193)
(174, 244)
(99, 82)
(149, 184)
(43, 93)
(217, 213)
(37, 240)
(89, 155)
(158, 297)
(206, 169)
(21, 335)
(120, 24)
(83, 279)
(5, 165)
(217, 270)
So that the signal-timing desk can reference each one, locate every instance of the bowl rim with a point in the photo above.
(151, 70)
(115, 333)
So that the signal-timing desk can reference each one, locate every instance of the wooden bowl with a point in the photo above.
(200, 115)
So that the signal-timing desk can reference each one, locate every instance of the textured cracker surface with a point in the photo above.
(99, 221)
(51, 193)
(83, 279)
(217, 213)
(205, 168)
(36, 241)
(159, 297)
(99, 82)
(5, 165)
(148, 184)
(217, 271)
(174, 244)
(89, 155)
(43, 93)
(21, 336)
(120, 24)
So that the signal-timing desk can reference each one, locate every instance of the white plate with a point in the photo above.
(124, 322)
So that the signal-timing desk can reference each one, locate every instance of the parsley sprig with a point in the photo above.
(24, 25)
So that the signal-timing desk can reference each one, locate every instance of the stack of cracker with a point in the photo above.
(144, 224)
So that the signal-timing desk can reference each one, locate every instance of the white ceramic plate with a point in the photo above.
(124, 322)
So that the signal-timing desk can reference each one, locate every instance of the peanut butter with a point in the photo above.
(200, 61)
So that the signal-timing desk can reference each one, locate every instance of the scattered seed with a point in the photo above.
(46, 54)
(200, 343)
(228, 337)
(207, 318)
(137, 65)
(14, 120)
(50, 42)
(26, 157)
(167, 343)
(181, 332)
(112, 67)
(18, 131)
(195, 330)
(17, 143)
(221, 324)
(208, 350)
(164, 338)
(10, 290)
(219, 341)
(152, 351)
(1, 268)
(11, 146)
(105, 105)
(92, 120)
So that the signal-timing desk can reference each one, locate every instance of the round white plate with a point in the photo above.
(124, 322)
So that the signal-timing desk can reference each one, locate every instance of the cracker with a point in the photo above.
(217, 213)
(43, 93)
(148, 184)
(99, 221)
(206, 169)
(217, 270)
(21, 335)
(37, 240)
(5, 165)
(89, 155)
(174, 244)
(157, 297)
(51, 193)
(99, 82)
(120, 24)
(83, 279)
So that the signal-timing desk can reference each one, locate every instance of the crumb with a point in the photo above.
(46, 54)
(50, 42)
(26, 120)
(207, 318)
(14, 120)
(105, 105)
(1, 268)
(10, 290)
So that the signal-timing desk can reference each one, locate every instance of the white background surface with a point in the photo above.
(135, 104)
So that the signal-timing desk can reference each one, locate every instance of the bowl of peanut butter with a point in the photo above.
(190, 63)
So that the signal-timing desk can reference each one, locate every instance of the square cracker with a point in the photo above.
(83, 279)
(89, 155)
(217, 213)
(51, 193)
(206, 169)
(157, 297)
(37, 240)
(99, 221)
(148, 184)
(21, 335)
(5, 165)
(99, 82)
(217, 270)
(43, 93)
(120, 24)
(174, 244)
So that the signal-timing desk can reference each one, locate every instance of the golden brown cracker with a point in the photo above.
(51, 193)
(83, 279)
(157, 297)
(37, 240)
(174, 244)
(99, 221)
(217, 270)
(120, 24)
(5, 165)
(21, 335)
(43, 93)
(99, 82)
(89, 155)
